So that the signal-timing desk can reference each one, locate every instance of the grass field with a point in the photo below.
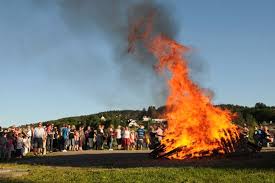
(137, 167)
(153, 174)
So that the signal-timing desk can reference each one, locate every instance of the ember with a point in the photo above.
(196, 127)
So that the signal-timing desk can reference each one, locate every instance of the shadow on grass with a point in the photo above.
(263, 160)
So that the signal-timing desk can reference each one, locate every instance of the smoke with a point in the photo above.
(76, 50)
(112, 19)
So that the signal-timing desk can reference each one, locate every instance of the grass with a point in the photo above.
(38, 173)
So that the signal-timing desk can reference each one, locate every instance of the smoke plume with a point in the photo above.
(113, 20)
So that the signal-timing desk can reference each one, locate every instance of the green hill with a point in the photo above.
(259, 114)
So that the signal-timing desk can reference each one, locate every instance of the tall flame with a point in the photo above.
(194, 124)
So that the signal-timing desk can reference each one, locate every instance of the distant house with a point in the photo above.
(145, 118)
(133, 123)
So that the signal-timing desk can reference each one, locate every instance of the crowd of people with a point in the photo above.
(262, 136)
(18, 142)
(40, 140)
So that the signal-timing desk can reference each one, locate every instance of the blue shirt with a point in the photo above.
(65, 133)
(140, 132)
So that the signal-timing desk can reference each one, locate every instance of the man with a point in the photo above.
(140, 137)
(65, 135)
(49, 130)
(38, 135)
(89, 138)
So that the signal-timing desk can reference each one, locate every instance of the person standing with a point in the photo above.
(19, 146)
(87, 140)
(132, 140)
(56, 144)
(25, 145)
(159, 133)
(110, 137)
(118, 136)
(81, 138)
(29, 137)
(50, 137)
(3, 145)
(71, 138)
(126, 138)
(10, 145)
(99, 142)
(91, 138)
(38, 135)
(44, 149)
(76, 140)
(65, 138)
(140, 137)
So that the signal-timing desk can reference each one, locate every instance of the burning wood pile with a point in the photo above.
(196, 128)
(238, 147)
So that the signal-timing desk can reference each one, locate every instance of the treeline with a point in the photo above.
(252, 116)
(115, 117)
(257, 115)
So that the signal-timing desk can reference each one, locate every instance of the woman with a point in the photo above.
(110, 137)
(81, 138)
(87, 140)
(118, 137)
(126, 138)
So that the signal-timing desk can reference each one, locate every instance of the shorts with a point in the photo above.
(140, 141)
(37, 143)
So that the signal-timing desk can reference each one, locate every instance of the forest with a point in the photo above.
(252, 116)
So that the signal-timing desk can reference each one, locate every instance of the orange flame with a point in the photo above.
(194, 124)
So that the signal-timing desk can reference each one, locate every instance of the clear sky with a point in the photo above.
(48, 72)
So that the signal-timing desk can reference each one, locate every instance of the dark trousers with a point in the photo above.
(49, 143)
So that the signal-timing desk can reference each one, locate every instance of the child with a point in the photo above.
(76, 140)
(147, 140)
(132, 140)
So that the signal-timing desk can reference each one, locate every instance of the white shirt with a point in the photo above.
(29, 133)
(26, 142)
(39, 132)
(118, 133)
(126, 134)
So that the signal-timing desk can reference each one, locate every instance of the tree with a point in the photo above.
(260, 105)
(152, 112)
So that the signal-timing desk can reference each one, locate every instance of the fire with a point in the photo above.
(195, 125)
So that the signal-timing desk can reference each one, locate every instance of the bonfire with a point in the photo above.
(196, 127)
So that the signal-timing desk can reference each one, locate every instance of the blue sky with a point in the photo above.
(48, 72)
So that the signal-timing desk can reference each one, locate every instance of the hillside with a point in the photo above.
(258, 114)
